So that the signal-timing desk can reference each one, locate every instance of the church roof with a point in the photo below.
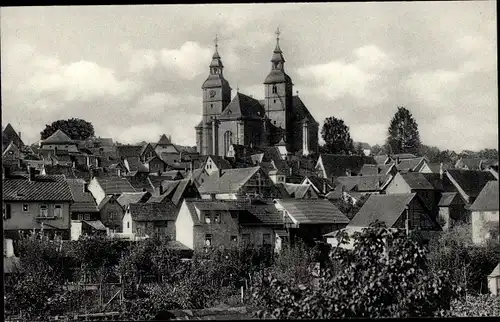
(301, 110)
(243, 106)
(215, 81)
(216, 61)
(58, 137)
(277, 76)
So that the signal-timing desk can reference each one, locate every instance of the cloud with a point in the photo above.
(157, 103)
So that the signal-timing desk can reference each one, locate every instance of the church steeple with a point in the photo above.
(216, 63)
(278, 60)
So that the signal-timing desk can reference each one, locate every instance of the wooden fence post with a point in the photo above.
(242, 294)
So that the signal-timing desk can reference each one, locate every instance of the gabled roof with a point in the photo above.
(135, 164)
(140, 182)
(127, 198)
(243, 106)
(319, 183)
(58, 137)
(164, 140)
(220, 162)
(417, 181)
(84, 201)
(153, 211)
(230, 180)
(470, 181)
(127, 151)
(10, 135)
(409, 164)
(363, 183)
(440, 183)
(436, 167)
(495, 272)
(297, 190)
(43, 188)
(381, 159)
(105, 201)
(403, 156)
(313, 211)
(375, 169)
(384, 208)
(471, 163)
(10, 148)
(336, 165)
(179, 191)
(488, 198)
(300, 110)
(448, 198)
(259, 214)
(112, 186)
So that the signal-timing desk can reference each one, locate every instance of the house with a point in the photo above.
(415, 182)
(310, 219)
(365, 184)
(417, 164)
(331, 166)
(10, 135)
(165, 145)
(439, 167)
(59, 141)
(494, 281)
(277, 175)
(37, 202)
(12, 155)
(402, 211)
(231, 184)
(469, 183)
(147, 152)
(215, 223)
(85, 216)
(473, 163)
(300, 191)
(147, 219)
(485, 214)
(377, 169)
(111, 213)
(129, 151)
(214, 163)
(367, 149)
(451, 210)
(101, 187)
(126, 198)
(140, 181)
(321, 185)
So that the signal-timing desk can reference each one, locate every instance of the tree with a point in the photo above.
(378, 149)
(336, 136)
(359, 149)
(76, 129)
(384, 275)
(403, 133)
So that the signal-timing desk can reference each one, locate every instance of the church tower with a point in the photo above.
(278, 93)
(216, 96)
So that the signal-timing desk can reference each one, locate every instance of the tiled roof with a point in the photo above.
(127, 198)
(441, 184)
(126, 151)
(364, 145)
(471, 181)
(447, 199)
(112, 186)
(135, 164)
(55, 169)
(300, 110)
(140, 182)
(220, 162)
(153, 211)
(471, 163)
(417, 180)
(261, 214)
(495, 272)
(170, 158)
(380, 159)
(164, 140)
(84, 201)
(10, 135)
(105, 201)
(58, 137)
(375, 169)
(336, 165)
(43, 188)
(157, 199)
(409, 164)
(179, 191)
(486, 163)
(243, 106)
(230, 181)
(313, 211)
(96, 224)
(402, 156)
(488, 198)
(297, 190)
(363, 183)
(156, 181)
(319, 183)
(435, 167)
(384, 208)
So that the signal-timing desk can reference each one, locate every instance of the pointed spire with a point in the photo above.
(277, 58)
(277, 49)
(216, 64)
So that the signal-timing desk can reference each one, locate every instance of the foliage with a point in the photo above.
(378, 149)
(359, 149)
(481, 305)
(385, 275)
(467, 264)
(350, 209)
(293, 263)
(336, 136)
(76, 129)
(403, 133)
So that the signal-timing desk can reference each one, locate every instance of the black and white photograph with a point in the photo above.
(247, 161)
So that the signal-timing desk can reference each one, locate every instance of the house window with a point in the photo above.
(26, 208)
(208, 240)
(87, 216)
(266, 239)
(80, 217)
(58, 211)
(217, 219)
(274, 122)
(234, 239)
(207, 219)
(44, 211)
(211, 105)
(111, 215)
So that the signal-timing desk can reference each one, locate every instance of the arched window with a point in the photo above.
(228, 140)
(275, 89)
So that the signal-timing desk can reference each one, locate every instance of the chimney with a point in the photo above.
(31, 173)
(441, 172)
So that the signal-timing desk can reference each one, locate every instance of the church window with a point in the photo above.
(274, 101)
(274, 122)
(228, 140)
(275, 90)
(212, 105)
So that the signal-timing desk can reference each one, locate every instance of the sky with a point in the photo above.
(136, 72)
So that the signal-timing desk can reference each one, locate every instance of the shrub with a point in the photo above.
(471, 306)
(385, 275)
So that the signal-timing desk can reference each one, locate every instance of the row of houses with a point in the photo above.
(263, 197)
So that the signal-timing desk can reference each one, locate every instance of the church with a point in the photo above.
(280, 119)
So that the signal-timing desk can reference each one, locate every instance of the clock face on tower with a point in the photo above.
(211, 93)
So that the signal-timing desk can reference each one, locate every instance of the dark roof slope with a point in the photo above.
(243, 106)
(313, 211)
(84, 201)
(10, 135)
(153, 211)
(164, 140)
(230, 181)
(126, 151)
(58, 137)
(440, 183)
(488, 198)
(220, 162)
(300, 109)
(127, 198)
(43, 188)
(417, 180)
(336, 164)
(384, 208)
(471, 181)
(448, 198)
(112, 186)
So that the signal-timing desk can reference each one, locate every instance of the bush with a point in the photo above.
(385, 275)
(482, 305)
